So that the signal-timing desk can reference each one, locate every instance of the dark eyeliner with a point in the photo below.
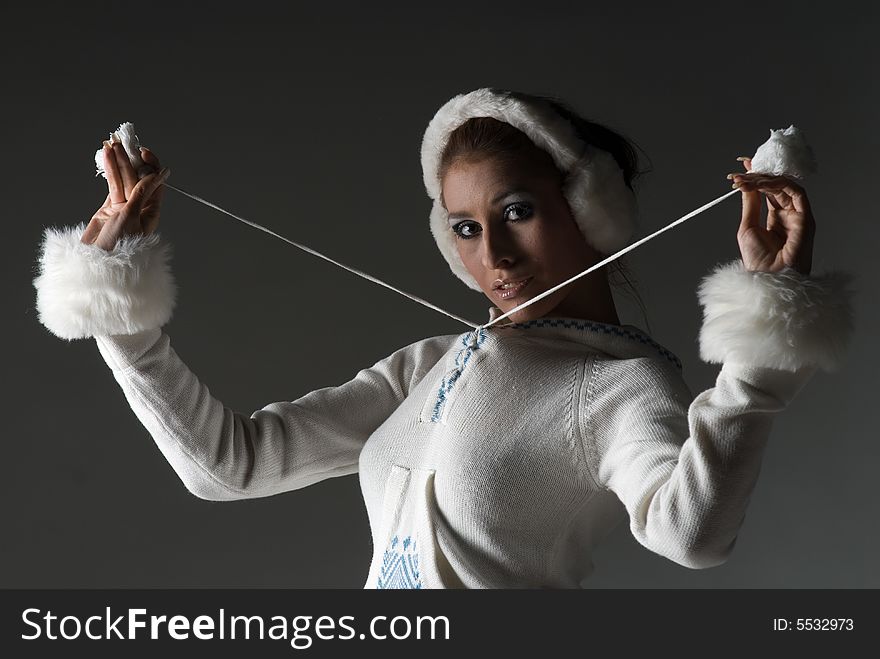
(527, 212)
(455, 230)
(525, 205)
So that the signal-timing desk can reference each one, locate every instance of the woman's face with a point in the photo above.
(512, 224)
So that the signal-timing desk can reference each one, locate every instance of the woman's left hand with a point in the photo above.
(787, 239)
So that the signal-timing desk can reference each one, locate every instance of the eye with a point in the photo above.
(521, 209)
(466, 229)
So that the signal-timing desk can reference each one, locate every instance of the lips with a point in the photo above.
(507, 289)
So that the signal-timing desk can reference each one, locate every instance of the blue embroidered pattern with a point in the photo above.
(599, 327)
(471, 341)
(400, 569)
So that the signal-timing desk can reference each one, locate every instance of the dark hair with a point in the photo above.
(482, 137)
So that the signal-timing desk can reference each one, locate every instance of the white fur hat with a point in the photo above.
(602, 205)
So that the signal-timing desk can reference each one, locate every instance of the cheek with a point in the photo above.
(470, 257)
(546, 241)
(560, 247)
(466, 250)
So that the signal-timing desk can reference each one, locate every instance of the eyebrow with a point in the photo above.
(495, 200)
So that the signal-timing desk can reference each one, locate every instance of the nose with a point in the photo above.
(498, 247)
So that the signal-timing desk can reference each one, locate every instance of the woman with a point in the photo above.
(498, 457)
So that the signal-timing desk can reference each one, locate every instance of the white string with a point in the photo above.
(415, 298)
(326, 258)
(610, 258)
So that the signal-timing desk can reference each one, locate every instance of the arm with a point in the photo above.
(221, 454)
(685, 467)
(218, 453)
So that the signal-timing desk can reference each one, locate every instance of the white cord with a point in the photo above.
(371, 278)
(415, 298)
(608, 259)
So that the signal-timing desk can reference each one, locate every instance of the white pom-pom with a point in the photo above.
(126, 135)
(785, 153)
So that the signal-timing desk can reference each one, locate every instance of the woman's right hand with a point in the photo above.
(132, 205)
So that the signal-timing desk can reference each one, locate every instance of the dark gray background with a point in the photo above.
(310, 122)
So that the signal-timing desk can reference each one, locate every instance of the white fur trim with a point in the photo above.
(445, 237)
(601, 203)
(85, 291)
(783, 320)
(603, 207)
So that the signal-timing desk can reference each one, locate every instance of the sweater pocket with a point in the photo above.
(406, 553)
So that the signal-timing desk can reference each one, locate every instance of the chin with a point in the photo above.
(539, 309)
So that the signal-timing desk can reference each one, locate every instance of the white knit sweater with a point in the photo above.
(490, 459)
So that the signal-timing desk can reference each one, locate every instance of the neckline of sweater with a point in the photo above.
(624, 331)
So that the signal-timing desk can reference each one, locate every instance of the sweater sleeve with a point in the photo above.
(221, 454)
(685, 467)
(122, 297)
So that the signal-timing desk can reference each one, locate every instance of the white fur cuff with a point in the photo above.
(85, 291)
(784, 320)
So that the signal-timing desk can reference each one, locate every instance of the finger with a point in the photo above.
(747, 162)
(145, 188)
(765, 177)
(773, 203)
(150, 158)
(773, 222)
(154, 198)
(759, 177)
(114, 181)
(150, 215)
(140, 191)
(784, 191)
(751, 210)
(91, 232)
(767, 183)
(756, 179)
(776, 200)
(151, 162)
(129, 176)
(158, 190)
(798, 197)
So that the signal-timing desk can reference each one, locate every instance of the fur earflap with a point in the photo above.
(784, 320)
(439, 223)
(85, 291)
